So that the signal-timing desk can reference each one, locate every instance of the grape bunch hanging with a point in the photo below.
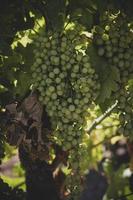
(68, 84)
(126, 114)
(66, 81)
(114, 42)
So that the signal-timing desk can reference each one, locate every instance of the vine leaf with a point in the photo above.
(12, 108)
(26, 54)
(32, 107)
(31, 111)
(23, 83)
(108, 76)
(55, 13)
(25, 127)
(107, 87)
(102, 6)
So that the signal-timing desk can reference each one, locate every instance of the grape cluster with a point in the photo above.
(126, 114)
(74, 181)
(114, 42)
(66, 81)
(63, 74)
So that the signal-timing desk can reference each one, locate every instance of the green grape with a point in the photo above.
(101, 51)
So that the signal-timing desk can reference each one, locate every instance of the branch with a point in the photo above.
(101, 118)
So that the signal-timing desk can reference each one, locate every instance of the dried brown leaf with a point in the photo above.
(32, 106)
(12, 108)
(15, 134)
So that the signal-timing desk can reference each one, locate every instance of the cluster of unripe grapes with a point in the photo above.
(63, 74)
(114, 42)
(66, 81)
(126, 113)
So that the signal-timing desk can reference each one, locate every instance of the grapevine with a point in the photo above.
(66, 99)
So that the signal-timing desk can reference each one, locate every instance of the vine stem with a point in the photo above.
(101, 118)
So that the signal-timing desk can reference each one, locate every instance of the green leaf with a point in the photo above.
(115, 73)
(101, 5)
(107, 87)
(108, 75)
(12, 61)
(104, 106)
(23, 84)
(5, 48)
(26, 54)
(55, 13)
(6, 97)
(74, 4)
(82, 11)
(85, 17)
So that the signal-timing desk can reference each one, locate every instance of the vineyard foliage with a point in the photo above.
(66, 98)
